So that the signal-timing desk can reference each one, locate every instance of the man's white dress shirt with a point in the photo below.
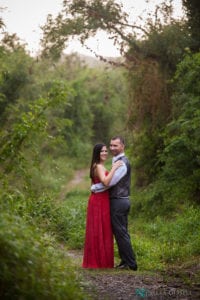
(119, 173)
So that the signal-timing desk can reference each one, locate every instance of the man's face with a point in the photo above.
(116, 147)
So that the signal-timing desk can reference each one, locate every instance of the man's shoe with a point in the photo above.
(126, 267)
(119, 265)
(134, 268)
(122, 267)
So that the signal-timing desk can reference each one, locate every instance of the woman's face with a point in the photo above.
(103, 154)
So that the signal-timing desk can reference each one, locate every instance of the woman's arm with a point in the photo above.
(100, 187)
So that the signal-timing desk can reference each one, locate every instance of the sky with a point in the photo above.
(24, 17)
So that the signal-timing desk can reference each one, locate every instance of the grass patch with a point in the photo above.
(71, 222)
(166, 242)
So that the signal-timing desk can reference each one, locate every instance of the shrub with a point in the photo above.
(31, 264)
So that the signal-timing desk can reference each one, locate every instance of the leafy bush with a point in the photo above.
(31, 264)
(181, 154)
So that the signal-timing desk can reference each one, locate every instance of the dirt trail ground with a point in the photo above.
(112, 284)
(75, 182)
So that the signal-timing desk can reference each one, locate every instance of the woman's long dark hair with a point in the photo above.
(95, 158)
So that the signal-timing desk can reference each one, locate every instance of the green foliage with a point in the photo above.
(166, 159)
(108, 99)
(182, 136)
(24, 193)
(83, 19)
(163, 242)
(193, 14)
(54, 172)
(80, 114)
(95, 109)
(31, 264)
(148, 113)
(70, 225)
(54, 111)
(150, 102)
(176, 167)
(167, 45)
(147, 251)
(143, 156)
(14, 75)
(29, 125)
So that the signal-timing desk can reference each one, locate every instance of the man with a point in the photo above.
(119, 189)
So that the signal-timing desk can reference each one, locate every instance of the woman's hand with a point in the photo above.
(117, 164)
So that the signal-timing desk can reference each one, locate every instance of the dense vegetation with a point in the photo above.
(54, 107)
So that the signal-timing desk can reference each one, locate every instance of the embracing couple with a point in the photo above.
(108, 209)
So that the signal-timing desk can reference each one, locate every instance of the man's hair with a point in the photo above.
(118, 137)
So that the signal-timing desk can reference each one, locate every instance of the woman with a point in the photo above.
(98, 249)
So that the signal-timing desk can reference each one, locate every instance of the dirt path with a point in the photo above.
(112, 284)
(75, 182)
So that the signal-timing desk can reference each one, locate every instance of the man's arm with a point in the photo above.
(98, 187)
(119, 173)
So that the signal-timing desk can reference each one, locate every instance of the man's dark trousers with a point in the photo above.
(119, 208)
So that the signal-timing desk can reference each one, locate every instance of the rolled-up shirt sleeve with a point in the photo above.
(119, 173)
(98, 187)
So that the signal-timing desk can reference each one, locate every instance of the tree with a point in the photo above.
(15, 66)
(83, 19)
(192, 8)
(150, 93)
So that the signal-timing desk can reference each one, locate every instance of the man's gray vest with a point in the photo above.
(122, 188)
